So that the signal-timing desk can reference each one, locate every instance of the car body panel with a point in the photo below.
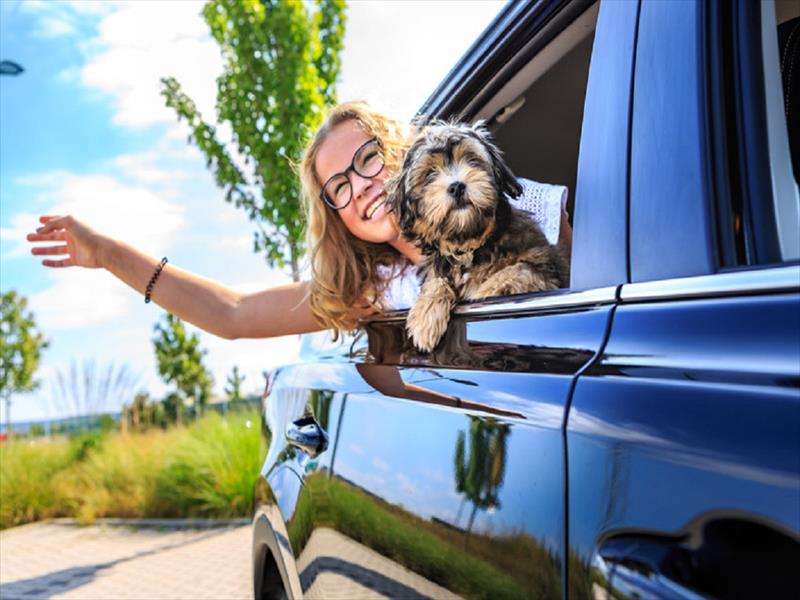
(691, 422)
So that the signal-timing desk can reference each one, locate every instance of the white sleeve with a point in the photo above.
(544, 201)
(402, 290)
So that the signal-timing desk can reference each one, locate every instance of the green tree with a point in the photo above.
(180, 362)
(479, 476)
(281, 62)
(20, 349)
(234, 388)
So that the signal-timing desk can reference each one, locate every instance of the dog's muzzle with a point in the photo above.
(456, 190)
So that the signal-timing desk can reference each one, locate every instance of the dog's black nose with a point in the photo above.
(456, 190)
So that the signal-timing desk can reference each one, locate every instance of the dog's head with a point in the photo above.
(451, 187)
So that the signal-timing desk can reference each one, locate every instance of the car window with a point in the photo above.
(537, 114)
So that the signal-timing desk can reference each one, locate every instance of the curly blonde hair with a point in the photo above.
(346, 283)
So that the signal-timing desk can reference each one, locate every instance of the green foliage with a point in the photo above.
(27, 471)
(480, 475)
(20, 346)
(212, 469)
(206, 470)
(180, 362)
(107, 423)
(234, 389)
(82, 444)
(281, 62)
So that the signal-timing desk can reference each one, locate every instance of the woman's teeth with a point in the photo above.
(371, 210)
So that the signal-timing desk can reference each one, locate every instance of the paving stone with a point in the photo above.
(123, 560)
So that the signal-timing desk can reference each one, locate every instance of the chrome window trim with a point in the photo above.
(507, 306)
(730, 283)
(785, 193)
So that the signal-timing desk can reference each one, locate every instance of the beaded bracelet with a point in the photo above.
(150, 285)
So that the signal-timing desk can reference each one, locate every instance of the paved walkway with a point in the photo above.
(174, 559)
(115, 560)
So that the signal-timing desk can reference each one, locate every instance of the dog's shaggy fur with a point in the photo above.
(450, 197)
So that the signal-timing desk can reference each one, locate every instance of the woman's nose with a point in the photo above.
(359, 183)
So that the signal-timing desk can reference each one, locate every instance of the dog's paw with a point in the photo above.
(425, 332)
(428, 318)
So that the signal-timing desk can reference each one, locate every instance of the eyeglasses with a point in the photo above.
(367, 162)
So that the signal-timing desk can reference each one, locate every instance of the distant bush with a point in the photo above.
(27, 489)
(205, 470)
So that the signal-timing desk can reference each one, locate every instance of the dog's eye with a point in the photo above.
(473, 161)
(431, 174)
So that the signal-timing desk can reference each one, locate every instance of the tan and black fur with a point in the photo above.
(450, 197)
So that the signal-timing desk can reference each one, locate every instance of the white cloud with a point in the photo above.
(132, 213)
(91, 7)
(145, 167)
(396, 52)
(80, 298)
(141, 42)
(50, 27)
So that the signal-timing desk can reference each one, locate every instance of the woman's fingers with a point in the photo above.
(52, 223)
(67, 262)
(50, 250)
(53, 236)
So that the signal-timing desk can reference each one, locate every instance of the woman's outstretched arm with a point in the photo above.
(215, 308)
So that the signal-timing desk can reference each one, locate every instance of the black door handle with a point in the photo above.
(308, 435)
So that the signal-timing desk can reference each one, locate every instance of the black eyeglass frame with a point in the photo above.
(323, 196)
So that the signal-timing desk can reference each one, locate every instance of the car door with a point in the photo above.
(683, 437)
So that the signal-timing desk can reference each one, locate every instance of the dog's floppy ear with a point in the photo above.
(505, 179)
(400, 203)
(398, 194)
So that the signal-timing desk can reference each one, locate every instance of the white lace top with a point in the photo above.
(543, 201)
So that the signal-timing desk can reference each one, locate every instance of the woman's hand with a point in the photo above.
(80, 245)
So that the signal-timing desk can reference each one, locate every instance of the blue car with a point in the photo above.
(636, 435)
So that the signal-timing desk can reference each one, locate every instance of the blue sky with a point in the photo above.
(84, 131)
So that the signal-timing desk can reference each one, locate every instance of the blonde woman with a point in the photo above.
(358, 258)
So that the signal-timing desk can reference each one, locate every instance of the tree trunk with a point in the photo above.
(460, 508)
(295, 262)
(469, 525)
(7, 399)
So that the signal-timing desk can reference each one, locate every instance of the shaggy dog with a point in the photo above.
(450, 197)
